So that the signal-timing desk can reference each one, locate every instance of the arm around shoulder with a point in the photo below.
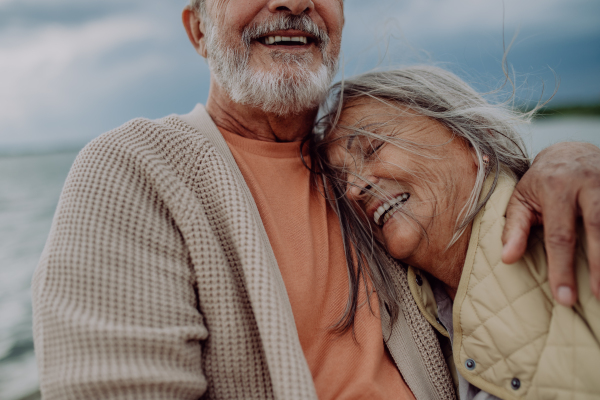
(562, 185)
(115, 304)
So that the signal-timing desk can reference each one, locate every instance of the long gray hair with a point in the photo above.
(490, 129)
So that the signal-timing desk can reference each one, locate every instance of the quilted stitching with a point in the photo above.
(511, 327)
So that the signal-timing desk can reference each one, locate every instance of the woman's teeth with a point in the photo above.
(386, 210)
(286, 39)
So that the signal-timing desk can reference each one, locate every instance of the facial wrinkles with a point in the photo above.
(367, 156)
(404, 164)
(292, 87)
(422, 158)
(436, 201)
(392, 165)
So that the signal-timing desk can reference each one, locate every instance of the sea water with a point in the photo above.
(29, 190)
(30, 186)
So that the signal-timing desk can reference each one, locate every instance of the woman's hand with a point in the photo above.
(562, 185)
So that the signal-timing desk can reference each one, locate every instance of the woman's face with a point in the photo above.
(411, 191)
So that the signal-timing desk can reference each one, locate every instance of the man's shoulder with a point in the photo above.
(145, 134)
(167, 155)
(168, 138)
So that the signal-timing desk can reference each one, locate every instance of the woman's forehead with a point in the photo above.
(387, 119)
(367, 109)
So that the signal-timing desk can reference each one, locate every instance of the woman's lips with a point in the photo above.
(385, 211)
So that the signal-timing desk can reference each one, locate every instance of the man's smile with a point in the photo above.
(288, 38)
(284, 40)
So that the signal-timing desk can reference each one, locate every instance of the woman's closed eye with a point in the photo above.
(373, 147)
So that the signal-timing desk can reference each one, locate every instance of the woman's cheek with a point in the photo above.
(401, 236)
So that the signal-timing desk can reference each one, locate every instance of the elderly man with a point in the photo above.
(191, 257)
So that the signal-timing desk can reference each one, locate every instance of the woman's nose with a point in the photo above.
(359, 188)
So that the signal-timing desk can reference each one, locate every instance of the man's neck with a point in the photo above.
(253, 123)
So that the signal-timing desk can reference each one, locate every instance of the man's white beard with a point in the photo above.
(289, 88)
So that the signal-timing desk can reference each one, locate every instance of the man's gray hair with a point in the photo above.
(198, 5)
(490, 129)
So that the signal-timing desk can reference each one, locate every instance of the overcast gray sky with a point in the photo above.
(72, 69)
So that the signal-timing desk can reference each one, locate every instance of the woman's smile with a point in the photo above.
(410, 178)
(389, 208)
(379, 211)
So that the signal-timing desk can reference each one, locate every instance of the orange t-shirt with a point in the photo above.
(306, 239)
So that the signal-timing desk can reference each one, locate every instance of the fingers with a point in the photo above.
(519, 219)
(562, 184)
(590, 210)
(560, 238)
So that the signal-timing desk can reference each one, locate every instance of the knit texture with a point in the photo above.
(425, 338)
(156, 280)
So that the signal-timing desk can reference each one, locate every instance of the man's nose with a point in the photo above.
(360, 188)
(296, 7)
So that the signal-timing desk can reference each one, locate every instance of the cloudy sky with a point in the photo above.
(72, 69)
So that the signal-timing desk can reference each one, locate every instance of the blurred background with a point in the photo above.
(71, 70)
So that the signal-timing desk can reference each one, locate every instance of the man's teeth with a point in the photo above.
(279, 39)
(384, 209)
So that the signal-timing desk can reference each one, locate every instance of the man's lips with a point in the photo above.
(287, 38)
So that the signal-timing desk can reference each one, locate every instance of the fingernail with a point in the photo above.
(506, 246)
(564, 295)
(507, 249)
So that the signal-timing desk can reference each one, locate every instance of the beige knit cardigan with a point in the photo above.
(158, 281)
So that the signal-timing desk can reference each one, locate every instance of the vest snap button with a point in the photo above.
(515, 383)
(470, 364)
(419, 280)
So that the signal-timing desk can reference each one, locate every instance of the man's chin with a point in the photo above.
(287, 108)
(293, 76)
(285, 86)
(285, 90)
(288, 67)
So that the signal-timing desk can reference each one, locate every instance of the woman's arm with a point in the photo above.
(562, 185)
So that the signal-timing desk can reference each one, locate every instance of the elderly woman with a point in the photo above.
(420, 162)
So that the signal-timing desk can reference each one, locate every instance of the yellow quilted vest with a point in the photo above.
(511, 338)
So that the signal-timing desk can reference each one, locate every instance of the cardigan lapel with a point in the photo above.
(265, 287)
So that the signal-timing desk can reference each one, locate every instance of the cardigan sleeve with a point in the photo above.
(115, 302)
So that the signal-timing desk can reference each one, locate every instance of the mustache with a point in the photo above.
(300, 22)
